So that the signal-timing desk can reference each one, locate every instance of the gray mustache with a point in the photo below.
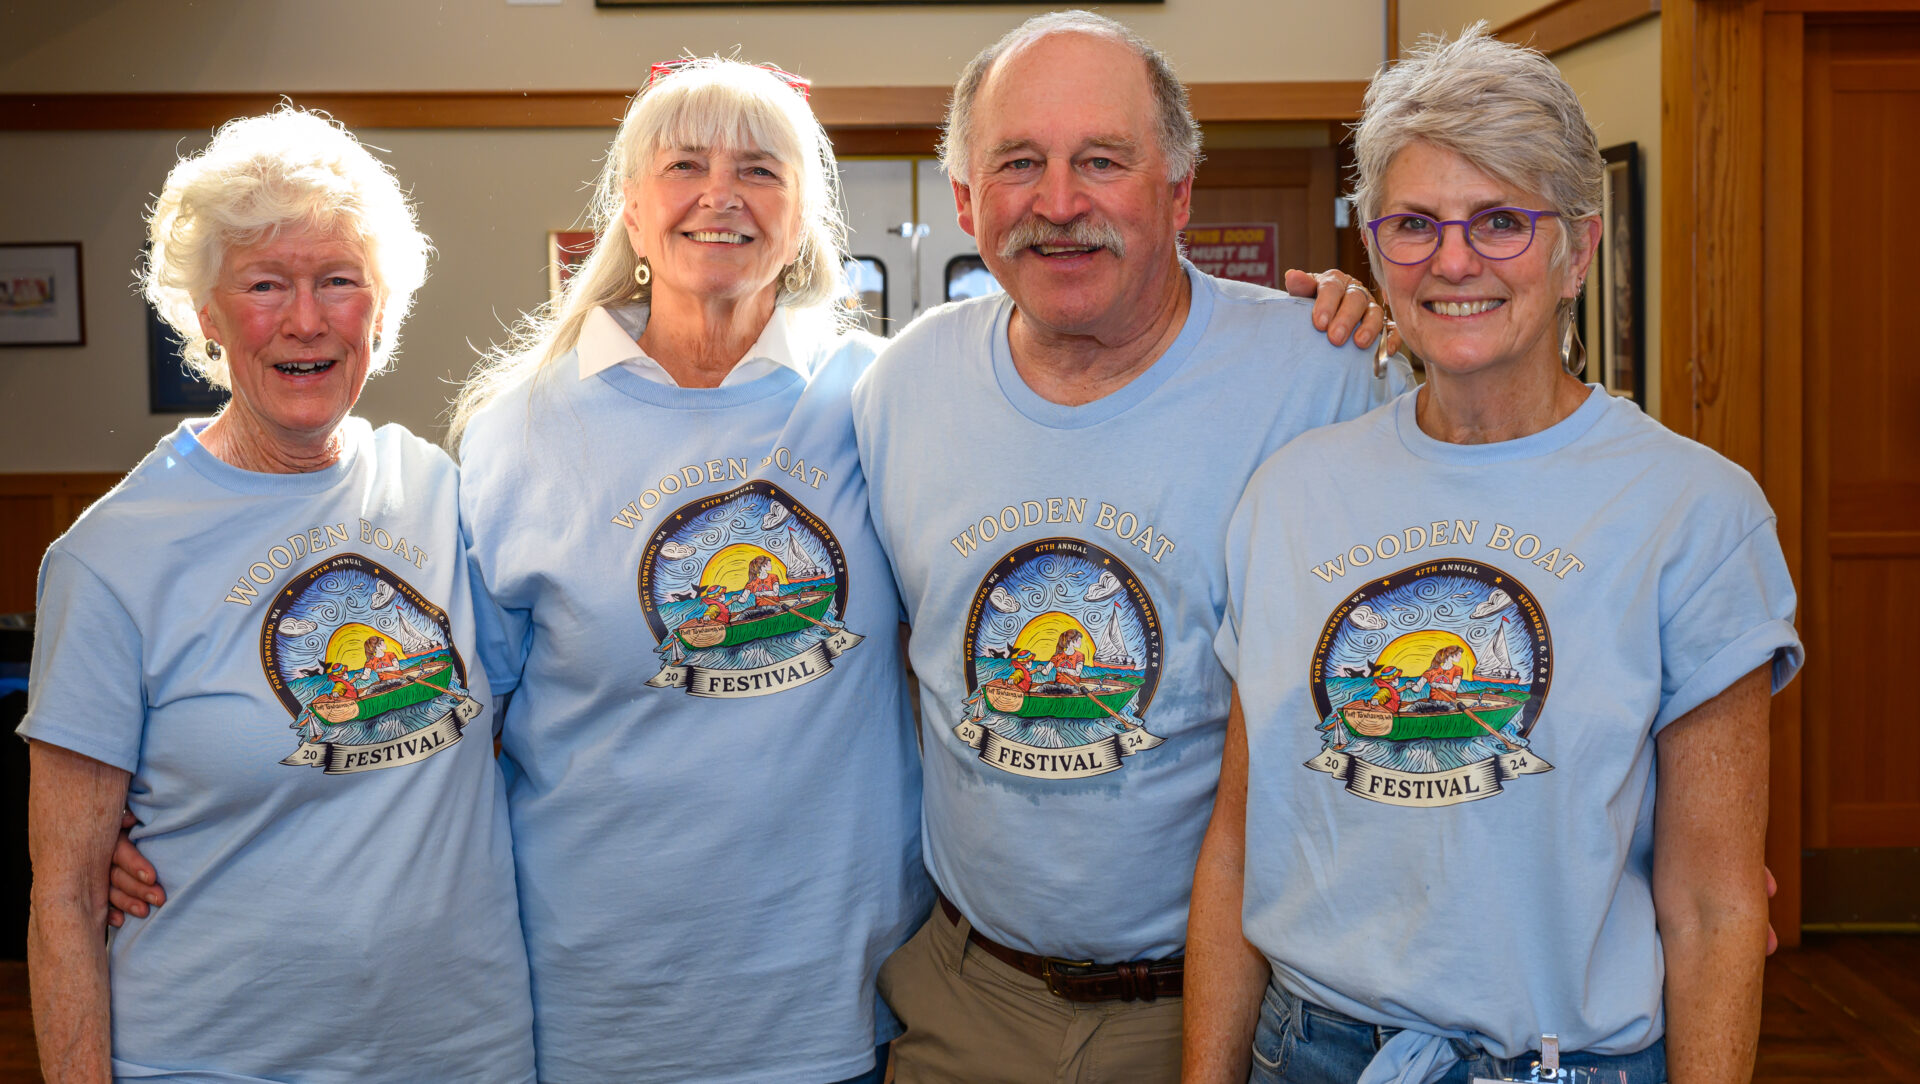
(1081, 231)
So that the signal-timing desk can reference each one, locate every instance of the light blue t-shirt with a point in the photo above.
(711, 770)
(1062, 571)
(1575, 591)
(285, 662)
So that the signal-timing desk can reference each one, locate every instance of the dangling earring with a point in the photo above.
(213, 350)
(1380, 352)
(793, 279)
(1573, 352)
(642, 274)
(376, 344)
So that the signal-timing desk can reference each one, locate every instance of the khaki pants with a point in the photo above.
(971, 1019)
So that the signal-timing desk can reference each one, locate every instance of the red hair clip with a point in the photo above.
(668, 67)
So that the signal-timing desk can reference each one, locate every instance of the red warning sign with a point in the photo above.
(1242, 251)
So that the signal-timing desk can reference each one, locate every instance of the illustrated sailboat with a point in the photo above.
(412, 640)
(1108, 649)
(801, 571)
(1498, 666)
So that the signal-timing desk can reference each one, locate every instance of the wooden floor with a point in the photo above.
(1841, 1010)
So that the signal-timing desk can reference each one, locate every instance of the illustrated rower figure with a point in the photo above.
(1067, 659)
(379, 660)
(1388, 679)
(762, 582)
(1443, 674)
(716, 599)
(1022, 676)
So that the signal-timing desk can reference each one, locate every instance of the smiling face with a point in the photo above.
(1067, 191)
(1459, 311)
(295, 317)
(713, 223)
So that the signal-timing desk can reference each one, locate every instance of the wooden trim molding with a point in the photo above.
(1567, 23)
(1844, 7)
(837, 107)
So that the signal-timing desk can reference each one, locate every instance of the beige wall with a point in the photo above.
(138, 45)
(1618, 80)
(1447, 17)
(486, 200)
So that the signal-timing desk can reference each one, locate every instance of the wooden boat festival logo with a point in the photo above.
(1063, 656)
(745, 591)
(366, 666)
(1428, 684)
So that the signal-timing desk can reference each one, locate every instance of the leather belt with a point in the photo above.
(1084, 980)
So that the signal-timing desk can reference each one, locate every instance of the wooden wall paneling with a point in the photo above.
(1816, 614)
(1784, 111)
(1870, 101)
(1322, 182)
(1567, 23)
(1677, 368)
(1713, 183)
(36, 509)
(1727, 233)
(1290, 186)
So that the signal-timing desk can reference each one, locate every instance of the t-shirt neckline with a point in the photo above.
(1548, 440)
(673, 397)
(355, 436)
(1056, 416)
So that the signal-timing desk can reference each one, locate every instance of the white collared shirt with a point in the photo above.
(610, 337)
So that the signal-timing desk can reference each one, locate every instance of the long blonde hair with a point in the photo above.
(709, 102)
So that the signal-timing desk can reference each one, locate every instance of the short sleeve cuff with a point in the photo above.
(85, 744)
(1771, 641)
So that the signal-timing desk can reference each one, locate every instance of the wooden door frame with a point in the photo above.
(1733, 126)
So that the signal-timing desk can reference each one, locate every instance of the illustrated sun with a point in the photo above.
(1414, 652)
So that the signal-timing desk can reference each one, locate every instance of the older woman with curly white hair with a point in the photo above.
(262, 642)
(1545, 853)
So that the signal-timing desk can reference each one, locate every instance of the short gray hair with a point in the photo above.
(1504, 108)
(282, 170)
(1179, 133)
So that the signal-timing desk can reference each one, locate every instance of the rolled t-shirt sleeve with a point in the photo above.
(85, 690)
(1740, 617)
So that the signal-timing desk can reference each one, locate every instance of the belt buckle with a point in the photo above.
(1049, 969)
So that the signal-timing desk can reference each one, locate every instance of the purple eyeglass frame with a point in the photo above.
(1466, 232)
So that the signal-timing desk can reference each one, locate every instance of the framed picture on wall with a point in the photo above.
(172, 388)
(1618, 290)
(41, 302)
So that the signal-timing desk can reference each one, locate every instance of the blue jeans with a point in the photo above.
(876, 1074)
(1298, 1042)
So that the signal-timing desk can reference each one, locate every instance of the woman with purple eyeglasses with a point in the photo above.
(1553, 865)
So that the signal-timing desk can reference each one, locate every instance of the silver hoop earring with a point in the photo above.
(213, 351)
(642, 274)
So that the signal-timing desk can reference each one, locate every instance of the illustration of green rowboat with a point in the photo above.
(1065, 701)
(416, 684)
(1368, 720)
(770, 616)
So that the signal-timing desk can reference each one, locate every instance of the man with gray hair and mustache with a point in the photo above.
(1063, 460)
